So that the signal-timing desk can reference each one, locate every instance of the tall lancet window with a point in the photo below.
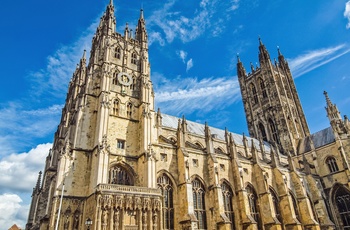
(276, 206)
(295, 206)
(254, 93)
(116, 107)
(199, 203)
(166, 187)
(117, 52)
(129, 110)
(133, 58)
(263, 88)
(273, 131)
(115, 78)
(253, 205)
(227, 196)
(119, 175)
(262, 132)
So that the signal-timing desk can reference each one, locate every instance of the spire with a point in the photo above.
(240, 68)
(332, 110)
(111, 2)
(264, 55)
(141, 33)
(329, 103)
(108, 22)
(37, 187)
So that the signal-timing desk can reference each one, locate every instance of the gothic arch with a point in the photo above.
(126, 174)
(172, 179)
(199, 144)
(275, 202)
(340, 205)
(196, 176)
(199, 195)
(253, 200)
(331, 163)
(228, 195)
(168, 189)
(224, 180)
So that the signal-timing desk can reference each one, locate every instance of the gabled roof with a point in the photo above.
(198, 129)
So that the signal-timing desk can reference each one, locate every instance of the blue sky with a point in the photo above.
(193, 49)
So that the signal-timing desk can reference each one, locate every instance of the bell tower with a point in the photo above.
(271, 103)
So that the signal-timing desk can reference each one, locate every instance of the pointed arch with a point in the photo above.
(340, 202)
(116, 104)
(115, 77)
(331, 162)
(262, 87)
(262, 131)
(117, 52)
(254, 93)
(129, 107)
(198, 191)
(253, 204)
(273, 130)
(166, 185)
(227, 194)
(295, 205)
(133, 58)
(121, 174)
(276, 204)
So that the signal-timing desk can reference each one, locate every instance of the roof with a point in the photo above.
(320, 138)
(198, 129)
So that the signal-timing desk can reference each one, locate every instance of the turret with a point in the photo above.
(240, 68)
(334, 117)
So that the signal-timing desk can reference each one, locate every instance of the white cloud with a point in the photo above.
(189, 64)
(24, 166)
(12, 211)
(347, 14)
(183, 55)
(190, 94)
(19, 173)
(176, 25)
(315, 58)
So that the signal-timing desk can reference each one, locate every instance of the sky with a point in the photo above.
(193, 47)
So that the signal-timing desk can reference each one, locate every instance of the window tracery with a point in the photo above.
(199, 203)
(227, 196)
(342, 200)
(253, 204)
(254, 93)
(133, 58)
(119, 175)
(117, 52)
(165, 185)
(332, 164)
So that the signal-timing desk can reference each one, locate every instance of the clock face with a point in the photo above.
(124, 79)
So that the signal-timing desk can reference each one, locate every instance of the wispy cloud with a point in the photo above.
(347, 13)
(182, 54)
(175, 24)
(315, 58)
(190, 94)
(189, 65)
(61, 65)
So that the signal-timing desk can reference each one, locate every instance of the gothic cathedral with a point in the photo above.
(116, 163)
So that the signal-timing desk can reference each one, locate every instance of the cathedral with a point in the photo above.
(118, 163)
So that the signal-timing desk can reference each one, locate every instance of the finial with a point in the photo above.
(279, 51)
(238, 59)
(252, 66)
(84, 54)
(260, 42)
(327, 98)
(141, 13)
(111, 2)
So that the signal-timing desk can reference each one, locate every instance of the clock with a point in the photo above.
(124, 79)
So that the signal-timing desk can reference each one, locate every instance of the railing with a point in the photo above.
(127, 189)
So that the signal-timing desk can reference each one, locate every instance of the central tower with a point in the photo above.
(271, 103)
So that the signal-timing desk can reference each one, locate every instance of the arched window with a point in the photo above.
(276, 206)
(342, 200)
(129, 110)
(332, 164)
(119, 175)
(115, 78)
(273, 131)
(263, 88)
(166, 187)
(295, 206)
(133, 85)
(253, 204)
(262, 132)
(117, 52)
(199, 203)
(227, 196)
(133, 58)
(115, 107)
(254, 93)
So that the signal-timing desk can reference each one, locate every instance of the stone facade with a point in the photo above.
(121, 164)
